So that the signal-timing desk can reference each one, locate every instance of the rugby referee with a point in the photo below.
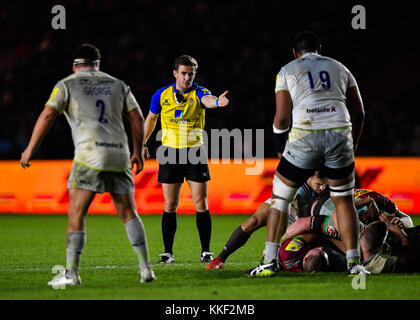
(181, 106)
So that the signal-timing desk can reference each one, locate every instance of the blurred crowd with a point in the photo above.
(239, 45)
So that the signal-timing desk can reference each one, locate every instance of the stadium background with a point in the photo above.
(239, 45)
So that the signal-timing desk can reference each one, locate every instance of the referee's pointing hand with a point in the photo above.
(223, 101)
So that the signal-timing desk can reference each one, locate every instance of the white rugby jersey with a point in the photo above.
(94, 103)
(317, 85)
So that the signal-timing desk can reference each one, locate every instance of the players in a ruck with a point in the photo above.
(94, 104)
(308, 193)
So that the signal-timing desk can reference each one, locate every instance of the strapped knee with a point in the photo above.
(343, 190)
(284, 191)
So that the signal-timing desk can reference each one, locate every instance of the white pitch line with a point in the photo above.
(123, 267)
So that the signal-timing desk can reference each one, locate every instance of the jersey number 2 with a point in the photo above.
(101, 104)
(324, 76)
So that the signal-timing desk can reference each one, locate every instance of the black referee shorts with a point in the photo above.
(183, 168)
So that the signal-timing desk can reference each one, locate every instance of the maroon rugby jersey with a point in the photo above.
(383, 202)
(291, 254)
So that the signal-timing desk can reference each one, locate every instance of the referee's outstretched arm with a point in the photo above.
(215, 102)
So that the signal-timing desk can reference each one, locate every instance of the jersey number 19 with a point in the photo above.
(324, 76)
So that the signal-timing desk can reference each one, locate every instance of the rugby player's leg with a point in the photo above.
(286, 181)
(126, 210)
(278, 215)
(203, 218)
(241, 235)
(80, 201)
(284, 191)
(347, 220)
(171, 193)
(258, 219)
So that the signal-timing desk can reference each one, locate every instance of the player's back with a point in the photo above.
(317, 86)
(94, 103)
(94, 97)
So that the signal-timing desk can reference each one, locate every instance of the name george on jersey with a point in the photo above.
(97, 91)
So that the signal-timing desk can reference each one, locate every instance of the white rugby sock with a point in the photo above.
(271, 251)
(75, 243)
(137, 236)
(352, 256)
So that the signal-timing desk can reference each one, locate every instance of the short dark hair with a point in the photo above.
(320, 173)
(185, 60)
(316, 263)
(374, 235)
(86, 54)
(306, 41)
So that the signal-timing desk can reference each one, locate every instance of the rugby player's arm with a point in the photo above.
(150, 125)
(405, 219)
(299, 227)
(282, 119)
(212, 102)
(136, 119)
(407, 254)
(357, 113)
(42, 126)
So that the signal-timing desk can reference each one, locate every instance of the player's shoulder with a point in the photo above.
(66, 79)
(337, 63)
(201, 89)
(94, 74)
(159, 91)
(287, 67)
(305, 189)
(107, 76)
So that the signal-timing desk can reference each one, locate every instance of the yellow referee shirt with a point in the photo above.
(182, 121)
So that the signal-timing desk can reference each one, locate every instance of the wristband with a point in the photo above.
(279, 131)
(279, 139)
(217, 102)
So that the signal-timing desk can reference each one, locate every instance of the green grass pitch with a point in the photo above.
(31, 245)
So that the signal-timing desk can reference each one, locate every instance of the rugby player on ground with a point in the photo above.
(306, 195)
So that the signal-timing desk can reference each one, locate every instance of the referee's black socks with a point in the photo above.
(168, 230)
(203, 222)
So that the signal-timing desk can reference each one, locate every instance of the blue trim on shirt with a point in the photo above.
(155, 106)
